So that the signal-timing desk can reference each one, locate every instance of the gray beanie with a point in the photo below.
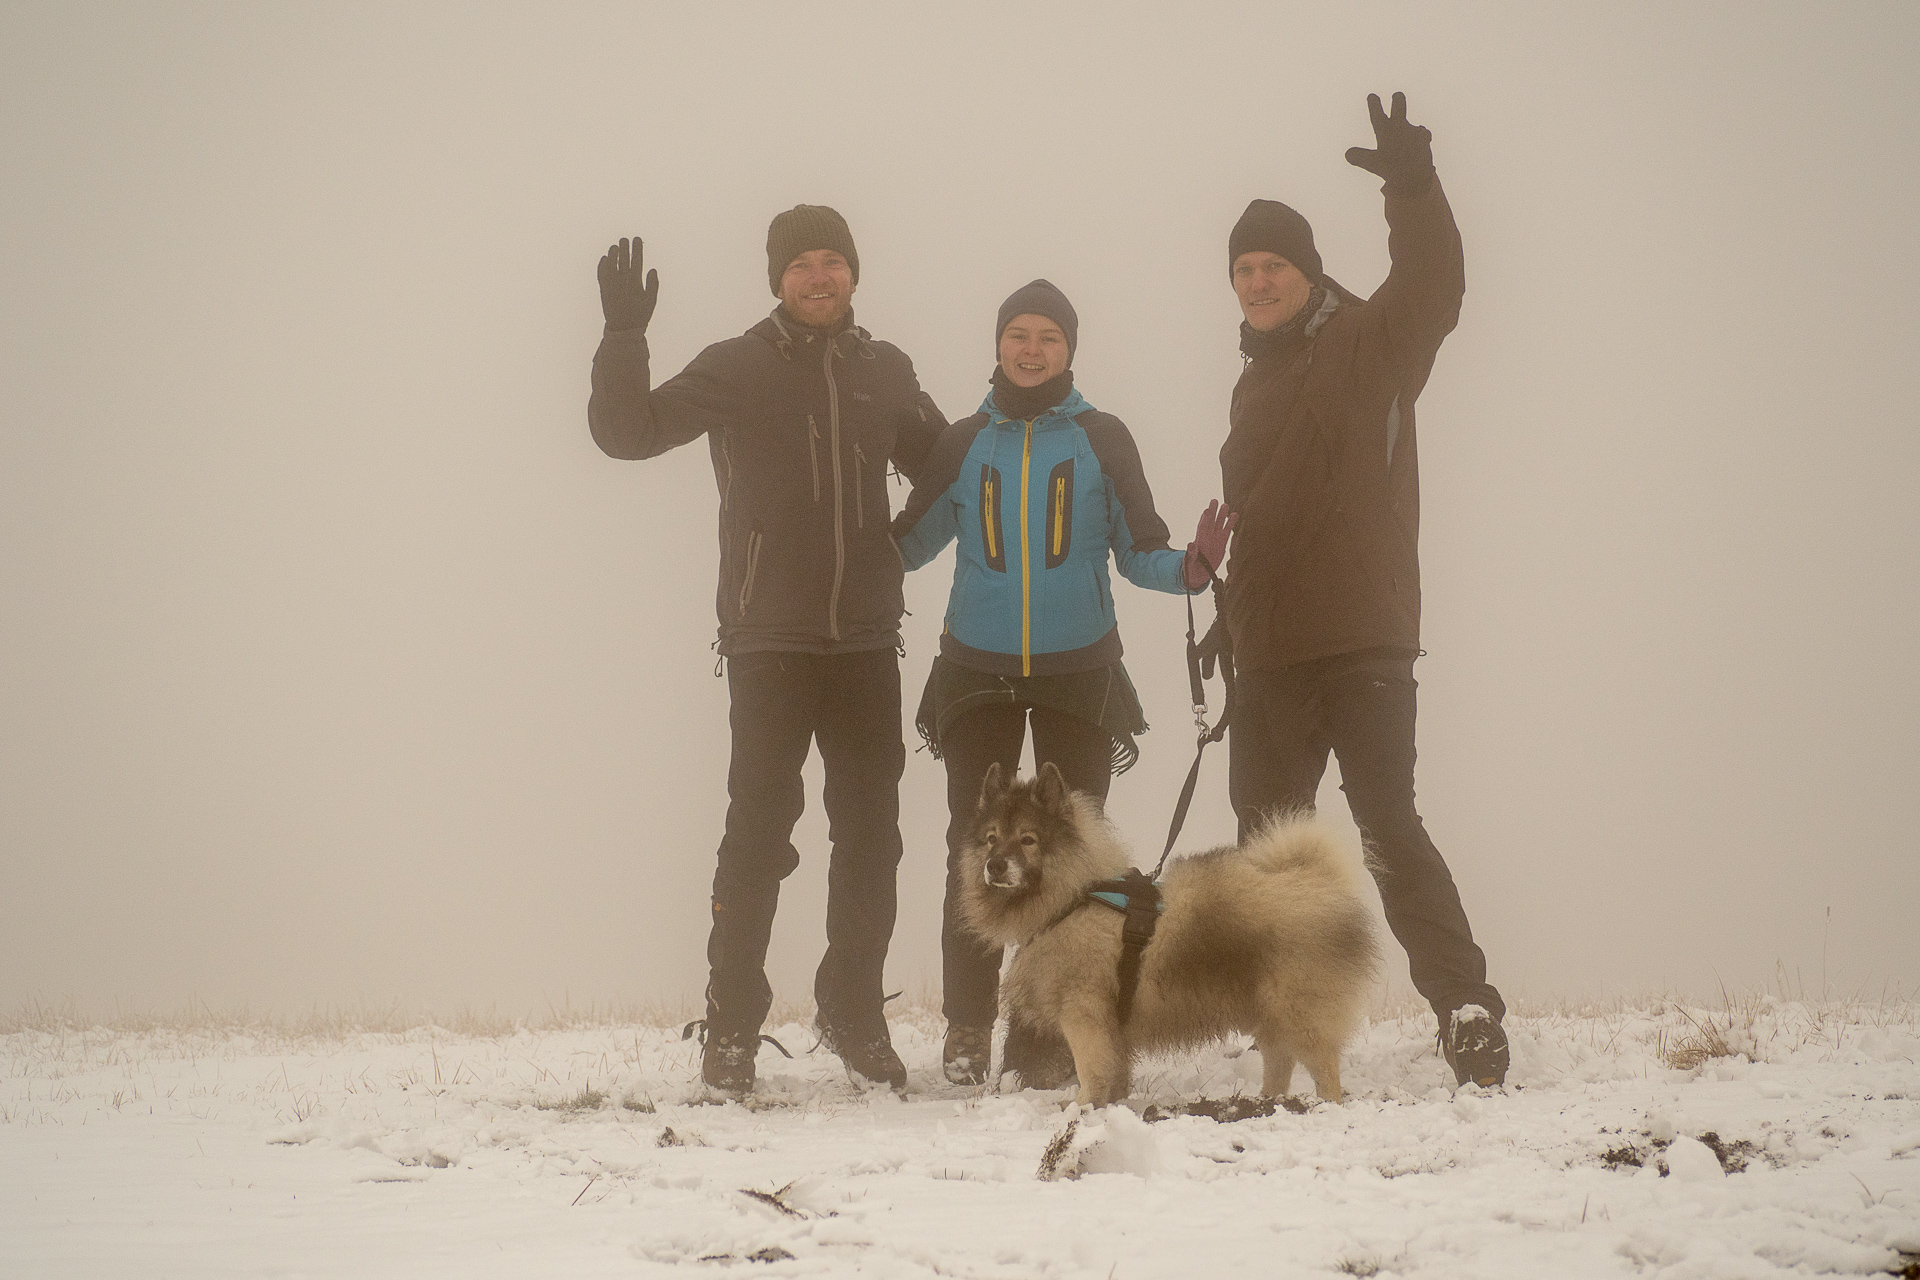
(805, 227)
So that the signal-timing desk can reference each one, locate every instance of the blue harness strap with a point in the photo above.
(1137, 898)
(1115, 899)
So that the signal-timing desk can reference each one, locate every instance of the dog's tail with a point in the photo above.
(1295, 842)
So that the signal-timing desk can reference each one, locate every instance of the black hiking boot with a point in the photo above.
(726, 1057)
(1475, 1046)
(1039, 1057)
(867, 1055)
(965, 1056)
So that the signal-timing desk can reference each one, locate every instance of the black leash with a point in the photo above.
(1202, 657)
(1140, 892)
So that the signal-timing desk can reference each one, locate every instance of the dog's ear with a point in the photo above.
(1050, 789)
(993, 788)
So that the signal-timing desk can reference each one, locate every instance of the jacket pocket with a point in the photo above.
(753, 566)
(813, 453)
(993, 545)
(859, 486)
(1059, 514)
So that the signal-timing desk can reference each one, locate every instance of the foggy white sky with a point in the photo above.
(337, 665)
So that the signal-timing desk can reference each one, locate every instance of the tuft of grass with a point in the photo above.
(1704, 1043)
(588, 1099)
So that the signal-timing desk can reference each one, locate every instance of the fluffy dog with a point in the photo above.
(1270, 938)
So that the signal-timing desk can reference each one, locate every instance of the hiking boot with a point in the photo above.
(868, 1056)
(1039, 1057)
(1475, 1046)
(965, 1056)
(726, 1057)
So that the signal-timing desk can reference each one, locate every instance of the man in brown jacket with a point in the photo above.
(1323, 604)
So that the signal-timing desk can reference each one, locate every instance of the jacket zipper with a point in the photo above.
(839, 499)
(1059, 513)
(726, 494)
(992, 521)
(1026, 581)
(859, 487)
(813, 453)
(753, 563)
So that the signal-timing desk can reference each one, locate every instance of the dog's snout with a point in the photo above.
(1003, 872)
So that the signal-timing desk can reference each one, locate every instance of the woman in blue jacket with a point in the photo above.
(1040, 490)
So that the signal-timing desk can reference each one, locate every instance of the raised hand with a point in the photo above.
(627, 303)
(1403, 152)
(1208, 550)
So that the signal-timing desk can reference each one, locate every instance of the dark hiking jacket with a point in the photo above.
(801, 427)
(1320, 460)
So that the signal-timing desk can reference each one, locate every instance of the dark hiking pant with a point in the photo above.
(1360, 706)
(970, 969)
(783, 703)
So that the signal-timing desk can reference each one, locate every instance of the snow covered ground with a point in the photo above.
(205, 1150)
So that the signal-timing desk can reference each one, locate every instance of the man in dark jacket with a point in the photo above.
(1324, 602)
(802, 415)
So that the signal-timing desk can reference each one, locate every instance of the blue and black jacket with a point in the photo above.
(1037, 507)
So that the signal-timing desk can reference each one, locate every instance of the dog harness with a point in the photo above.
(1138, 899)
(1136, 895)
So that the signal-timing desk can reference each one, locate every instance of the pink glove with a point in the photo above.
(1208, 550)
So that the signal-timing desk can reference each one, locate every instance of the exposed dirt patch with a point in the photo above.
(1734, 1156)
(1226, 1110)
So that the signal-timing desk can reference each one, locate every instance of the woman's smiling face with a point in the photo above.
(1033, 349)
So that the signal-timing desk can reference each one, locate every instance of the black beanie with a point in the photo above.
(802, 228)
(1271, 227)
(1040, 298)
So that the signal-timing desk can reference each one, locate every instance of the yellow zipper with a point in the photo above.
(1026, 582)
(1059, 513)
(992, 521)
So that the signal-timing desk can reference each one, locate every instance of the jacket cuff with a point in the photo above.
(1409, 186)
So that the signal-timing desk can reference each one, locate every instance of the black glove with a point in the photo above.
(626, 303)
(1403, 153)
